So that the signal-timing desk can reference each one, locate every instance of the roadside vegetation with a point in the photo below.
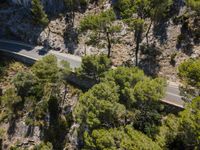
(122, 110)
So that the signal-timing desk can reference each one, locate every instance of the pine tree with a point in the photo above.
(38, 13)
(101, 23)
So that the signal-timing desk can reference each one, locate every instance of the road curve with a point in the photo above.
(172, 96)
(37, 52)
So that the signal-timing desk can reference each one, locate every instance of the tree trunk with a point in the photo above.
(109, 43)
(147, 33)
(138, 37)
(136, 51)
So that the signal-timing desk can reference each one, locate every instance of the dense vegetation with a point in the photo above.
(38, 13)
(123, 109)
(190, 75)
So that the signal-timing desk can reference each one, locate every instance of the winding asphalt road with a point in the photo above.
(172, 96)
(37, 52)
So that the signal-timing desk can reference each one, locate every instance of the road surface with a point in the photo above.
(37, 52)
(172, 96)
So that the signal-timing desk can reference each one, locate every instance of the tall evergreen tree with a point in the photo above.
(38, 13)
(101, 24)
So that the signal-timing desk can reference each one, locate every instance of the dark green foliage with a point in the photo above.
(125, 138)
(93, 66)
(124, 96)
(97, 22)
(190, 21)
(43, 146)
(148, 93)
(194, 4)
(140, 95)
(3, 64)
(25, 82)
(154, 9)
(125, 7)
(66, 70)
(38, 13)
(102, 25)
(168, 132)
(130, 81)
(159, 8)
(149, 89)
(126, 78)
(1, 69)
(190, 126)
(38, 111)
(47, 69)
(189, 71)
(123, 111)
(181, 132)
(10, 101)
(100, 107)
(41, 102)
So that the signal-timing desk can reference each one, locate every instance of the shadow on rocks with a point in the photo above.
(149, 61)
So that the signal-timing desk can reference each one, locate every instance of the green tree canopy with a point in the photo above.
(194, 4)
(47, 69)
(123, 96)
(99, 107)
(141, 95)
(150, 89)
(25, 83)
(125, 7)
(95, 65)
(190, 124)
(101, 23)
(10, 101)
(189, 71)
(38, 13)
(43, 146)
(134, 85)
(123, 138)
(168, 132)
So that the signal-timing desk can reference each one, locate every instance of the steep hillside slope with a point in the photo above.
(160, 58)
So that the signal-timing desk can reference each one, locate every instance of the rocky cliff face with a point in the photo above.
(51, 6)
